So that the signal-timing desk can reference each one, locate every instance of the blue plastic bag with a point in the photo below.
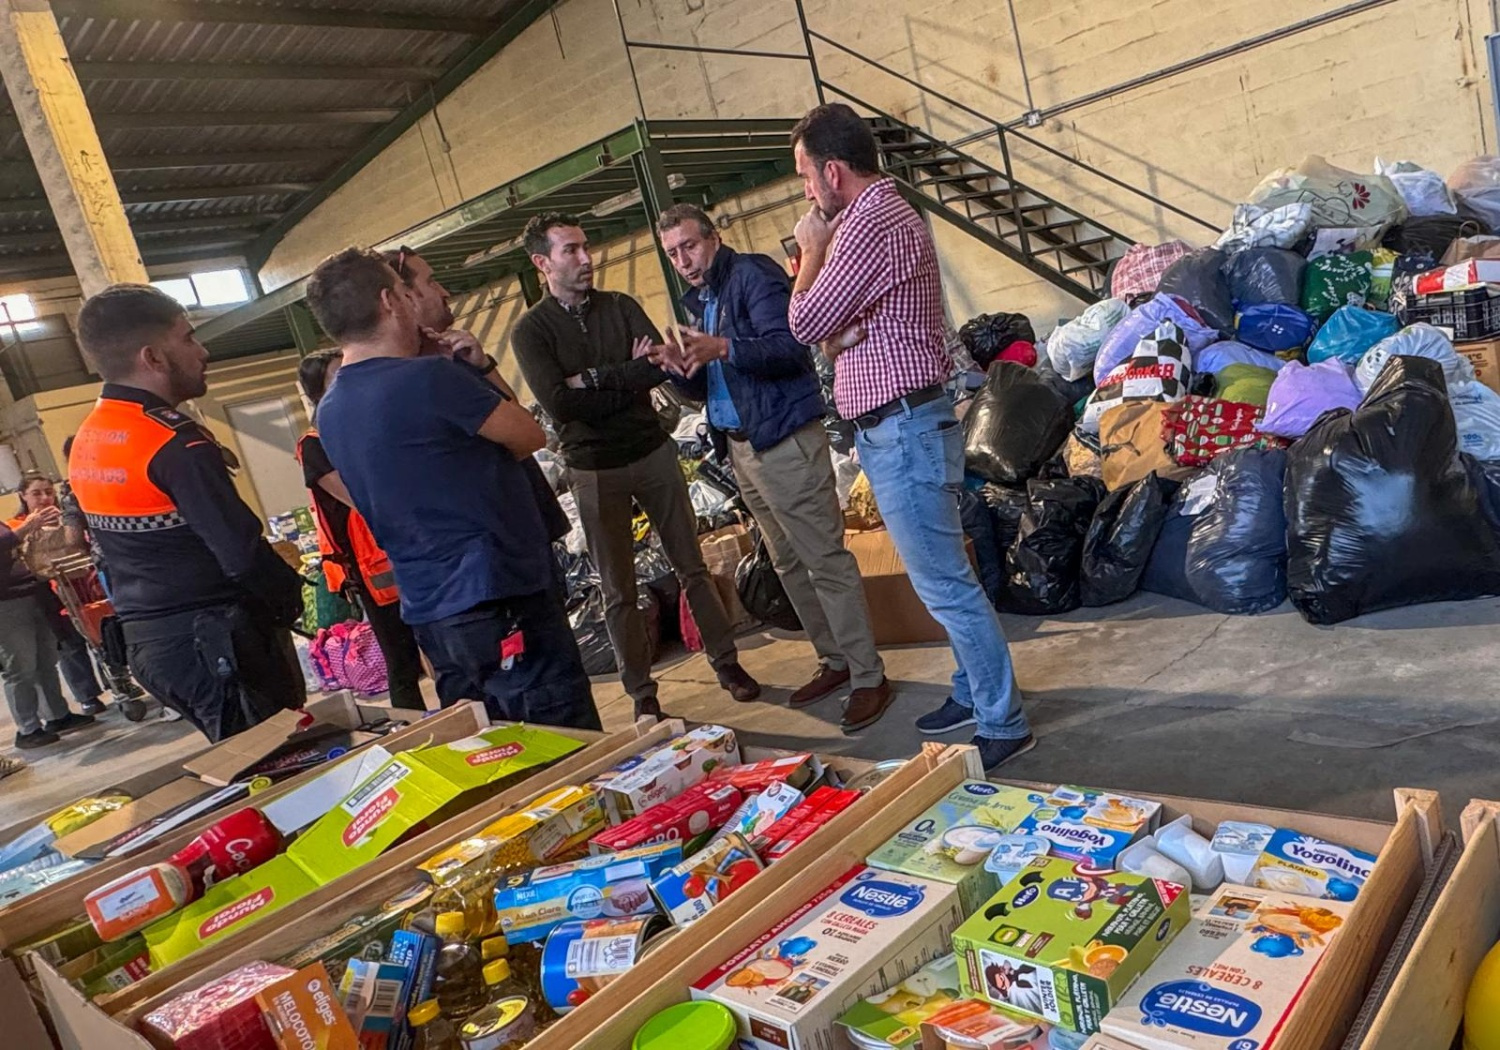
(1275, 327)
(1349, 333)
(1216, 357)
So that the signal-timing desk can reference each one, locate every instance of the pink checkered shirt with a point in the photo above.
(881, 272)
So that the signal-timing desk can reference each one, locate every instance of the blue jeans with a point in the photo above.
(915, 462)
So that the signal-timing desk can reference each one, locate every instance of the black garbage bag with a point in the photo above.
(586, 616)
(1166, 572)
(989, 557)
(1431, 234)
(654, 577)
(1016, 424)
(1199, 278)
(1265, 275)
(1120, 539)
(1042, 565)
(761, 591)
(1073, 391)
(988, 336)
(1236, 553)
(1006, 506)
(1380, 510)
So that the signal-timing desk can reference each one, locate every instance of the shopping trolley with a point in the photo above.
(76, 582)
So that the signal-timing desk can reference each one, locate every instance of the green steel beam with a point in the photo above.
(531, 285)
(174, 161)
(656, 197)
(304, 329)
(243, 118)
(510, 27)
(266, 15)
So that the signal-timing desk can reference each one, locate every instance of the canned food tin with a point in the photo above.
(579, 958)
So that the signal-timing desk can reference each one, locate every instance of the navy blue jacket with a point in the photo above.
(769, 373)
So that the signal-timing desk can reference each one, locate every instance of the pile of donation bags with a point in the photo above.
(1307, 409)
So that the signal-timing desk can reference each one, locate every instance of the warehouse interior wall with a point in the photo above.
(1402, 79)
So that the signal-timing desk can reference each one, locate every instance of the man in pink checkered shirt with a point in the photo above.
(868, 289)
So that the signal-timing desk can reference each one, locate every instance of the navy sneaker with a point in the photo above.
(993, 752)
(952, 715)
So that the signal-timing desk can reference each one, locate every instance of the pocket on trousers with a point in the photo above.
(943, 449)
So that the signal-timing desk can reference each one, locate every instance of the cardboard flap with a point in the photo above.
(132, 814)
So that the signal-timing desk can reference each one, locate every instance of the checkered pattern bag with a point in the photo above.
(1139, 270)
(1197, 429)
(347, 656)
(1157, 371)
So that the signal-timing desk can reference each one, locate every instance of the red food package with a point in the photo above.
(826, 807)
(700, 809)
(221, 1015)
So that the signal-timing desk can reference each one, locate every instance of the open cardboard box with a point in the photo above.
(1318, 1022)
(110, 1022)
(1425, 1005)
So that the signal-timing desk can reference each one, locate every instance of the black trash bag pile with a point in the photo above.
(989, 556)
(1265, 275)
(1120, 539)
(1073, 391)
(1431, 234)
(1042, 566)
(1016, 424)
(761, 591)
(988, 336)
(1199, 278)
(1223, 544)
(587, 619)
(1381, 512)
(654, 576)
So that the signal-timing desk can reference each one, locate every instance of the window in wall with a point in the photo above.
(17, 308)
(209, 288)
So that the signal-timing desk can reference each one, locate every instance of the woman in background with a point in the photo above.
(352, 561)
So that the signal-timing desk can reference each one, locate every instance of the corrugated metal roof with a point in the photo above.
(218, 118)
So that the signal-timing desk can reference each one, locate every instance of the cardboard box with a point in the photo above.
(793, 983)
(897, 615)
(797, 770)
(723, 548)
(533, 903)
(227, 908)
(132, 814)
(1485, 357)
(952, 839)
(554, 824)
(303, 1012)
(893, 1016)
(648, 780)
(1087, 824)
(685, 818)
(1305, 864)
(1231, 977)
(224, 762)
(1064, 942)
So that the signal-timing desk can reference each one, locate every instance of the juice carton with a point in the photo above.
(893, 1017)
(1063, 941)
(1298, 863)
(648, 780)
(791, 985)
(303, 1011)
(951, 840)
(1086, 824)
(689, 890)
(616, 885)
(1232, 976)
(701, 809)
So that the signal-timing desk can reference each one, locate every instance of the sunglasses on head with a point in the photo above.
(402, 255)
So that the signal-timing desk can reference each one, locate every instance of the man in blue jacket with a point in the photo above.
(764, 403)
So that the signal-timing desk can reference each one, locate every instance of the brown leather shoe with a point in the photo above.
(737, 681)
(823, 683)
(865, 706)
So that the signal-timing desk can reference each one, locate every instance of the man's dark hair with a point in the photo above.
(114, 324)
(344, 293)
(535, 234)
(833, 131)
(678, 214)
(67, 446)
(312, 373)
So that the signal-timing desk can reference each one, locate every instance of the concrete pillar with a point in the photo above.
(65, 147)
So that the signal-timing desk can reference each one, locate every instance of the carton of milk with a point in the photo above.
(1296, 863)
(863, 934)
(1229, 980)
(1086, 824)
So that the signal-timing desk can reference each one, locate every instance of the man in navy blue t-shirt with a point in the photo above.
(414, 439)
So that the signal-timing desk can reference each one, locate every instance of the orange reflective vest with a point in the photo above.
(376, 575)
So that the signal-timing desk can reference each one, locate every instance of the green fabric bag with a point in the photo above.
(1332, 281)
(1248, 384)
(320, 606)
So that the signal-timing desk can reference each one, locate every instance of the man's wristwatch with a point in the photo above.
(490, 364)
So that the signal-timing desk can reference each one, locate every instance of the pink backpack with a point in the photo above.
(348, 656)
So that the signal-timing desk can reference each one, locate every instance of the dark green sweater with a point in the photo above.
(614, 425)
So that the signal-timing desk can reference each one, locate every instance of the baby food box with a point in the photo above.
(1298, 863)
(651, 779)
(952, 839)
(1063, 941)
(1229, 981)
(1086, 824)
(893, 1017)
(863, 934)
(531, 904)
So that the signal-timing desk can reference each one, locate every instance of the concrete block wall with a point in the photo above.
(1402, 79)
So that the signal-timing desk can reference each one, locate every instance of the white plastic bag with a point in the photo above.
(1072, 347)
(1257, 227)
(1477, 183)
(845, 471)
(1423, 190)
(1476, 413)
(1340, 199)
(1418, 340)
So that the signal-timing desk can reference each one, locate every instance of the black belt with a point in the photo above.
(737, 435)
(881, 413)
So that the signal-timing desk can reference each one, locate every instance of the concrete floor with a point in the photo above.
(1153, 695)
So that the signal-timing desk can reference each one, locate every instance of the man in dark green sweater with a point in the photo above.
(584, 355)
